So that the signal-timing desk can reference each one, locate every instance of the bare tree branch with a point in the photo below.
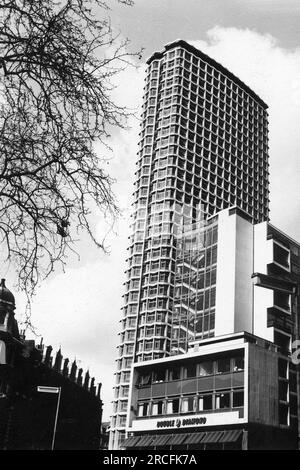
(57, 62)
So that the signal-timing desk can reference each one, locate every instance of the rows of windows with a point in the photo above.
(150, 331)
(156, 304)
(202, 369)
(122, 391)
(217, 193)
(213, 182)
(215, 107)
(225, 167)
(120, 406)
(217, 198)
(198, 67)
(198, 78)
(247, 158)
(126, 350)
(151, 317)
(195, 291)
(127, 335)
(163, 168)
(212, 203)
(122, 377)
(129, 322)
(152, 345)
(156, 291)
(118, 421)
(192, 162)
(146, 356)
(154, 278)
(212, 158)
(124, 363)
(217, 165)
(220, 400)
(224, 122)
(246, 138)
(194, 301)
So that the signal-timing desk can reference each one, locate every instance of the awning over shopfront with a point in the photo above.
(131, 442)
(161, 440)
(194, 438)
(178, 439)
(185, 439)
(231, 436)
(212, 437)
(146, 441)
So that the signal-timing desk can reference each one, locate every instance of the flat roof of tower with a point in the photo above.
(209, 60)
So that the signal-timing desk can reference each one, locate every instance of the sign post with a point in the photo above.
(57, 390)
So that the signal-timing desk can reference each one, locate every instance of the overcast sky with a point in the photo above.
(259, 41)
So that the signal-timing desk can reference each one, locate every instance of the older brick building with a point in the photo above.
(27, 416)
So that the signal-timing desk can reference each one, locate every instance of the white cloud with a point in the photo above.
(274, 74)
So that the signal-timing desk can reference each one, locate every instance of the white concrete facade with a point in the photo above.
(234, 270)
(262, 298)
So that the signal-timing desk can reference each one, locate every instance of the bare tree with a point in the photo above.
(57, 61)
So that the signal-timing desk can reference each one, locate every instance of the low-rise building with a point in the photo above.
(27, 417)
(233, 392)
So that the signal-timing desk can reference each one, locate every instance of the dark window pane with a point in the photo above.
(283, 414)
(174, 374)
(145, 409)
(283, 391)
(282, 368)
(159, 376)
(238, 399)
(283, 341)
(191, 371)
(223, 365)
(282, 300)
(238, 363)
(207, 402)
(281, 255)
(223, 400)
(176, 405)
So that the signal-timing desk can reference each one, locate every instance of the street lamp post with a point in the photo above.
(56, 390)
